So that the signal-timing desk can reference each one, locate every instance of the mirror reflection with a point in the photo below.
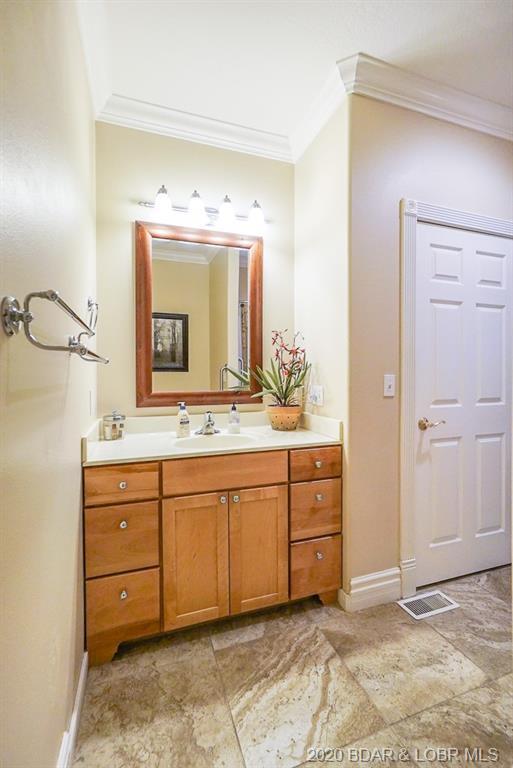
(200, 315)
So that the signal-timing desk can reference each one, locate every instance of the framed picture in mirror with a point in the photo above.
(170, 342)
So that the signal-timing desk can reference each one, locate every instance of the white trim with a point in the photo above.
(144, 116)
(413, 212)
(371, 589)
(375, 78)
(321, 109)
(69, 737)
(408, 583)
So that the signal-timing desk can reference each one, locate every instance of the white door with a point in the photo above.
(463, 380)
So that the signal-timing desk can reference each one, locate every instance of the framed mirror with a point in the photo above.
(198, 315)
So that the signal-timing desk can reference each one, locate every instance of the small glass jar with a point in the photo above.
(113, 426)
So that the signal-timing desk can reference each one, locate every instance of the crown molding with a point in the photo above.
(367, 76)
(144, 116)
(321, 109)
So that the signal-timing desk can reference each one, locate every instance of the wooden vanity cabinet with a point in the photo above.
(259, 566)
(174, 543)
(195, 559)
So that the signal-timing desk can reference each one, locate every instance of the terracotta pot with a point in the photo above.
(284, 418)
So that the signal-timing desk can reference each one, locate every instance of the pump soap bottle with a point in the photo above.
(234, 421)
(184, 425)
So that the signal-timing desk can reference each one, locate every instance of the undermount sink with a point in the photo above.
(220, 440)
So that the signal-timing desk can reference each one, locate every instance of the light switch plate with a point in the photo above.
(389, 385)
(316, 394)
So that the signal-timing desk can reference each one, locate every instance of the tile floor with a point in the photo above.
(259, 691)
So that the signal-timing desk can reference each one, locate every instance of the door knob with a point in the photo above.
(424, 423)
(236, 499)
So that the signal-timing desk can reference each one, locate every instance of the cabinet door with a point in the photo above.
(195, 559)
(259, 569)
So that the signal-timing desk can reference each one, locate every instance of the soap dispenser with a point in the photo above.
(234, 421)
(184, 425)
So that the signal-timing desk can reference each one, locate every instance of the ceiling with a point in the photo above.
(262, 64)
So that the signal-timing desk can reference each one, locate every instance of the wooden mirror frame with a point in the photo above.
(144, 231)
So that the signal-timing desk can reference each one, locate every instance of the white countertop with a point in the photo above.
(163, 444)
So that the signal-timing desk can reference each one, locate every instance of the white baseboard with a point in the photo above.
(372, 589)
(69, 737)
(408, 578)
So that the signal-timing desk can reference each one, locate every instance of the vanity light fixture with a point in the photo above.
(256, 219)
(163, 207)
(226, 217)
(197, 213)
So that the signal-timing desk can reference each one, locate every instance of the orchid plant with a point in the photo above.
(286, 374)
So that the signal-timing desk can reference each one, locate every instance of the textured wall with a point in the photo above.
(46, 398)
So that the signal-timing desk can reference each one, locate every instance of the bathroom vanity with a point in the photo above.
(200, 530)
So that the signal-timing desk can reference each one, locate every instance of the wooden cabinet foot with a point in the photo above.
(101, 654)
(328, 597)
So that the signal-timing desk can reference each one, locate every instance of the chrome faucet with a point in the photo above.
(223, 371)
(209, 425)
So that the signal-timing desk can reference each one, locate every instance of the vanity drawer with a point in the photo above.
(121, 482)
(315, 566)
(181, 477)
(121, 538)
(315, 508)
(315, 463)
(122, 607)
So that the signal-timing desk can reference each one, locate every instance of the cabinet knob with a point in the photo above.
(123, 524)
(123, 484)
(223, 499)
(236, 499)
(123, 594)
(319, 555)
(318, 463)
(319, 497)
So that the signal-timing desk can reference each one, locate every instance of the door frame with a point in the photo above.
(412, 213)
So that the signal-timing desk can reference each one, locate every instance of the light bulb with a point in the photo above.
(226, 218)
(256, 219)
(163, 207)
(197, 214)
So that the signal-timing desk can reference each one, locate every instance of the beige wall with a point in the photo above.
(185, 288)
(131, 165)
(218, 314)
(397, 153)
(47, 241)
(321, 231)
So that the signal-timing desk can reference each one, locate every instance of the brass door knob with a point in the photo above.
(424, 423)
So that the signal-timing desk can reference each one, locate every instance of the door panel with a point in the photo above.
(195, 559)
(258, 548)
(462, 369)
